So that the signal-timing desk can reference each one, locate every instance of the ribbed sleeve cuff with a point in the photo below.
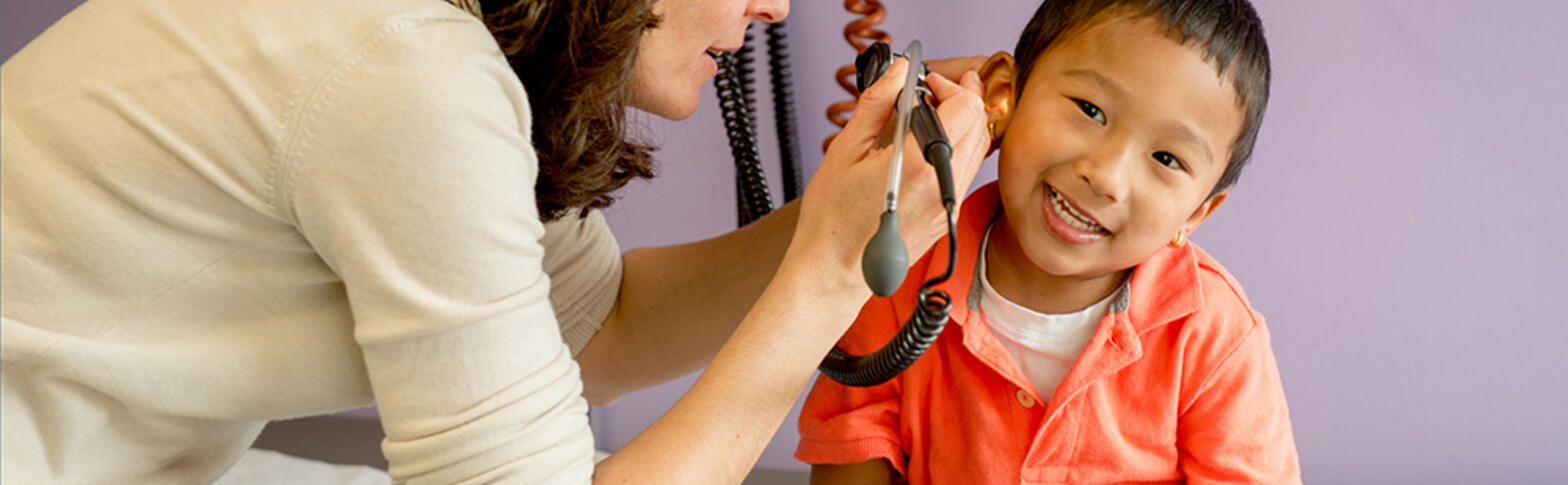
(584, 263)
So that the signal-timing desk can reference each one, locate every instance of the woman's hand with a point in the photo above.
(844, 199)
(956, 66)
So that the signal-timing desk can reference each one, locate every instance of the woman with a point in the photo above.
(222, 213)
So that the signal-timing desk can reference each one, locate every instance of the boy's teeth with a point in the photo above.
(1071, 216)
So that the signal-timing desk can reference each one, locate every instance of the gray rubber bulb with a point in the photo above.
(886, 260)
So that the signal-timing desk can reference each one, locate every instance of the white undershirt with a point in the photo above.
(1045, 346)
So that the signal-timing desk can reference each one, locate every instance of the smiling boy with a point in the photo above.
(1091, 342)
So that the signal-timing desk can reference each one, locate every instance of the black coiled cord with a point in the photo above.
(784, 110)
(745, 72)
(733, 85)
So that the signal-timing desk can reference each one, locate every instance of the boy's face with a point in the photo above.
(1113, 148)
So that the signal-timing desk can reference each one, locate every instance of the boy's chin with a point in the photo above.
(1084, 262)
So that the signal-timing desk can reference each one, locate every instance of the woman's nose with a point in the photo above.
(769, 10)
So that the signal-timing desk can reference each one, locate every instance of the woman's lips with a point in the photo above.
(710, 59)
(1068, 223)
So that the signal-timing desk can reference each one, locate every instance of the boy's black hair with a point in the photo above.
(1228, 31)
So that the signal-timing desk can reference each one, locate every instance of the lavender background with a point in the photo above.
(1402, 226)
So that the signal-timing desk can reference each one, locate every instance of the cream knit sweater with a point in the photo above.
(217, 213)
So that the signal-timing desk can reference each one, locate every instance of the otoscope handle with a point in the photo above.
(934, 145)
(939, 154)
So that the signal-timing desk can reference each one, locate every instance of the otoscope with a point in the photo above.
(886, 260)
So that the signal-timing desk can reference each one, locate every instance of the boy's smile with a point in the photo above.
(1112, 150)
(1069, 223)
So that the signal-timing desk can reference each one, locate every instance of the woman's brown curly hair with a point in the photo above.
(575, 58)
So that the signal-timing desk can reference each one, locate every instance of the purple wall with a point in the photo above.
(21, 20)
(1402, 225)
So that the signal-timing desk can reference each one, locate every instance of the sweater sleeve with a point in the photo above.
(584, 263)
(409, 170)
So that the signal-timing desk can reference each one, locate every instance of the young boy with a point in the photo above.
(1089, 342)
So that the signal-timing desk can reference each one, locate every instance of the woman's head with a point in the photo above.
(673, 60)
(584, 61)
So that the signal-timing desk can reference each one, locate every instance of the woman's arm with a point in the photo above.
(679, 303)
(873, 472)
(716, 431)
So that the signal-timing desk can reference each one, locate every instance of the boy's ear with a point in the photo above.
(996, 77)
(1203, 212)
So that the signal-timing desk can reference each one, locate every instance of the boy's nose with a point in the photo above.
(1105, 170)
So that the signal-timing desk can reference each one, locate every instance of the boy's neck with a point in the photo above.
(1018, 279)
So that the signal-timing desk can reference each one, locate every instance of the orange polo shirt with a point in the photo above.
(1178, 384)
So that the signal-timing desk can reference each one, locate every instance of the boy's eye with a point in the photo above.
(1090, 110)
(1166, 159)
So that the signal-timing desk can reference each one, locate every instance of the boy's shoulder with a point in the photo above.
(1200, 301)
(1221, 279)
(1222, 295)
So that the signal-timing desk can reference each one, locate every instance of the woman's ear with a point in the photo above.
(996, 76)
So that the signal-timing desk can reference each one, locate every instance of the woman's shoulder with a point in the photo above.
(313, 41)
(348, 23)
(423, 99)
(422, 79)
(429, 39)
(1226, 318)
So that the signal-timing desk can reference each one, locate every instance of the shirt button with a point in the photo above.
(1025, 399)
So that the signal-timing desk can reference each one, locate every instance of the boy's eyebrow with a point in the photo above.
(1185, 132)
(1104, 82)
